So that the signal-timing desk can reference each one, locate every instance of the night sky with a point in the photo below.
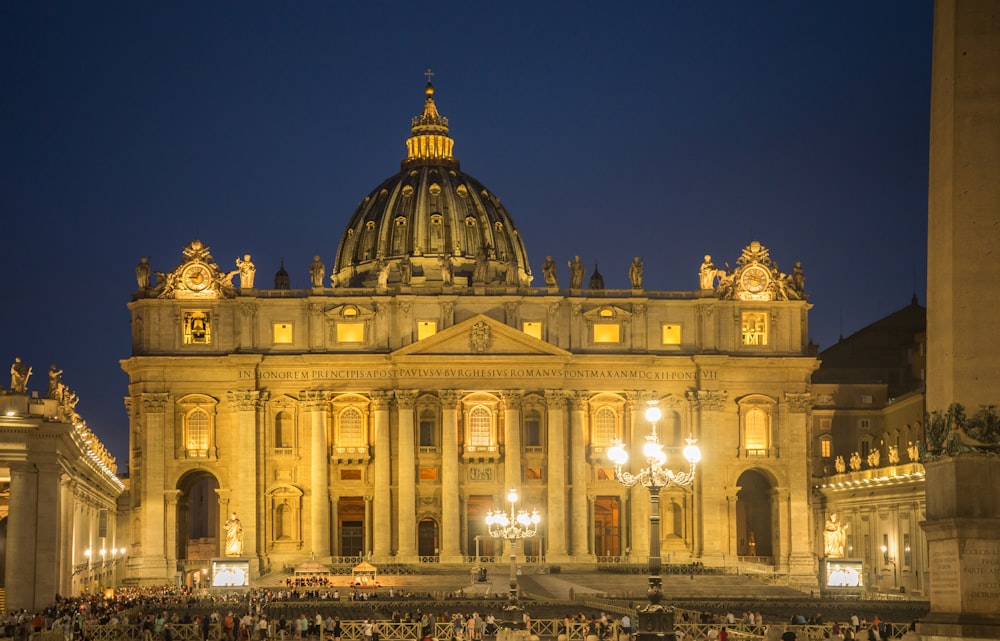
(667, 130)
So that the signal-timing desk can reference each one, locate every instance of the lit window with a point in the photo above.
(754, 328)
(350, 332)
(605, 424)
(825, 447)
(670, 334)
(755, 431)
(533, 474)
(351, 424)
(428, 474)
(480, 421)
(607, 333)
(197, 328)
(426, 329)
(198, 423)
(532, 328)
(282, 333)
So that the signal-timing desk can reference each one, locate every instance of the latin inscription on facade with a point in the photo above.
(355, 374)
(968, 581)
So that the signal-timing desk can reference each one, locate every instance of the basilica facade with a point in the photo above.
(384, 410)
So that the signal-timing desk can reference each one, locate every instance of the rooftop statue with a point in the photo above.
(316, 272)
(635, 273)
(142, 271)
(19, 374)
(549, 272)
(576, 272)
(247, 271)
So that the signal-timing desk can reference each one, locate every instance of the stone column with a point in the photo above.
(709, 489)
(406, 515)
(157, 447)
(781, 506)
(368, 525)
(22, 519)
(317, 326)
(64, 571)
(317, 404)
(450, 550)
(555, 401)
(246, 405)
(335, 520)
(248, 326)
(512, 438)
(382, 517)
(638, 495)
(580, 523)
(170, 498)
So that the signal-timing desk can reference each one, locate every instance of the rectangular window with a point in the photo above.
(865, 423)
(670, 334)
(754, 328)
(427, 433)
(350, 475)
(865, 399)
(825, 448)
(102, 524)
(350, 332)
(532, 328)
(282, 333)
(825, 424)
(607, 333)
(426, 329)
(907, 553)
(428, 474)
(533, 474)
(197, 328)
(532, 432)
(865, 450)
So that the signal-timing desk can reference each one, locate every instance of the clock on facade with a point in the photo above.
(755, 279)
(196, 277)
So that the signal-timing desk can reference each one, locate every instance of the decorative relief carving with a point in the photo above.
(952, 432)
(512, 398)
(316, 308)
(553, 309)
(249, 310)
(480, 337)
(404, 307)
(712, 400)
(406, 399)
(247, 400)
(448, 308)
(313, 400)
(154, 403)
(480, 473)
(554, 398)
(799, 402)
(577, 400)
(449, 398)
(380, 399)
(639, 309)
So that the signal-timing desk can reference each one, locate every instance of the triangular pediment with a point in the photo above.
(607, 313)
(481, 336)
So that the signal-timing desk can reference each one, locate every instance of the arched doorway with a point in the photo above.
(754, 532)
(427, 537)
(198, 516)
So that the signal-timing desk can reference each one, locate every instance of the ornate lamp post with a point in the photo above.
(512, 527)
(654, 619)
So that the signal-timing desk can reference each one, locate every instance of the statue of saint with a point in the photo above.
(142, 273)
(874, 457)
(549, 272)
(234, 536)
(834, 538)
(382, 272)
(799, 279)
(481, 269)
(707, 273)
(19, 374)
(576, 273)
(56, 387)
(447, 271)
(316, 272)
(405, 270)
(913, 451)
(840, 465)
(855, 464)
(893, 455)
(635, 273)
(247, 271)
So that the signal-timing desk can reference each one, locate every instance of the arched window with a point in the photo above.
(351, 424)
(757, 425)
(605, 426)
(480, 421)
(755, 428)
(198, 431)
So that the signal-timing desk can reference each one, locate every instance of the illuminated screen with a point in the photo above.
(230, 574)
(844, 574)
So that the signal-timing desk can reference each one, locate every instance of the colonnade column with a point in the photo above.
(367, 547)
(156, 448)
(335, 520)
(406, 507)
(22, 522)
(244, 501)
(316, 403)
(639, 496)
(66, 508)
(512, 438)
(450, 550)
(579, 538)
(170, 498)
(555, 401)
(382, 517)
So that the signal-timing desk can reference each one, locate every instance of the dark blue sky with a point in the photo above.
(666, 130)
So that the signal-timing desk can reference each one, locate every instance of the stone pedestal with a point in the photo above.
(963, 535)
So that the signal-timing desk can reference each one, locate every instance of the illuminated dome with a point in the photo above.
(403, 231)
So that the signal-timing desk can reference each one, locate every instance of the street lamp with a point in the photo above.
(654, 477)
(512, 527)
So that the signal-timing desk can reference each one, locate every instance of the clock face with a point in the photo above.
(754, 279)
(196, 277)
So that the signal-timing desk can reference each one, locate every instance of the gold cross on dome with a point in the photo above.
(429, 74)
